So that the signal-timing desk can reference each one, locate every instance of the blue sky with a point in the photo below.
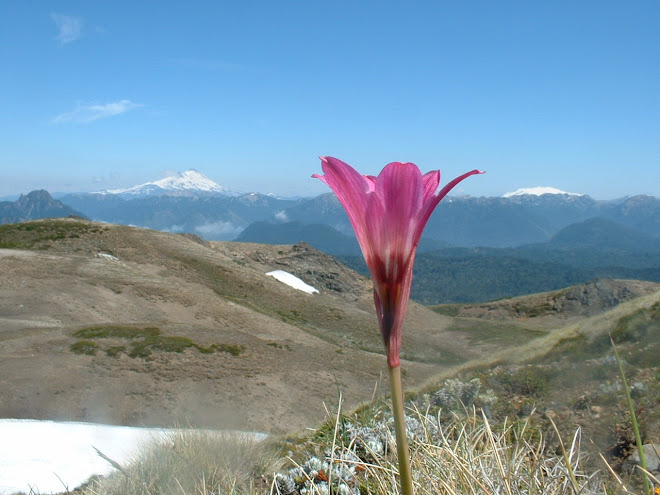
(98, 95)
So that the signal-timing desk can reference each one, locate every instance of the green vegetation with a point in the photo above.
(216, 276)
(234, 350)
(142, 342)
(115, 350)
(638, 326)
(292, 316)
(432, 354)
(463, 275)
(277, 345)
(633, 419)
(523, 310)
(85, 347)
(38, 234)
(494, 332)
(531, 311)
(529, 381)
(641, 326)
(103, 332)
(447, 309)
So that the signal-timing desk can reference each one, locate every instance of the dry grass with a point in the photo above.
(189, 462)
(463, 455)
(453, 454)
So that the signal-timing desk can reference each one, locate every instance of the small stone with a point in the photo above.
(650, 455)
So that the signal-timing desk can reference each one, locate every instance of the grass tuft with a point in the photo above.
(458, 453)
(189, 462)
(85, 347)
(142, 342)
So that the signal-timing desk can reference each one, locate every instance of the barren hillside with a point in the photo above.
(102, 322)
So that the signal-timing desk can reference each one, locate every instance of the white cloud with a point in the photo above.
(70, 28)
(281, 216)
(218, 229)
(90, 113)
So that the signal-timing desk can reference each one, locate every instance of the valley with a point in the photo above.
(128, 326)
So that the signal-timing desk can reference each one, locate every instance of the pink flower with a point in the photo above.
(388, 214)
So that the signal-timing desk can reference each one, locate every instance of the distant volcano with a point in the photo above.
(182, 183)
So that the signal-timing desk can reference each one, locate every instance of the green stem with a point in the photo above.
(633, 418)
(405, 475)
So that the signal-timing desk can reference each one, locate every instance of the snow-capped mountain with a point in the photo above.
(538, 191)
(185, 183)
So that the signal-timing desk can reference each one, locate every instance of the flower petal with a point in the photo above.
(431, 182)
(400, 189)
(399, 186)
(371, 179)
(355, 192)
(432, 202)
(448, 187)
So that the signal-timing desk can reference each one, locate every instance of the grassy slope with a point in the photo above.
(569, 374)
(562, 370)
(566, 375)
(224, 334)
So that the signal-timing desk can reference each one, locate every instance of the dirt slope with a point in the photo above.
(561, 306)
(279, 353)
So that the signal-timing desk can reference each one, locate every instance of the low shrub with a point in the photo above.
(85, 347)
(142, 342)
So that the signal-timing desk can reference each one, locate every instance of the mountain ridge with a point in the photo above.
(36, 204)
(459, 221)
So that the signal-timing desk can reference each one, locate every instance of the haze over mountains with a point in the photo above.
(190, 202)
(474, 249)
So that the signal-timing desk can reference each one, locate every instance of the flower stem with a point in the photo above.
(633, 418)
(405, 476)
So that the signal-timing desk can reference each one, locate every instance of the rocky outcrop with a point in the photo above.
(586, 299)
(34, 205)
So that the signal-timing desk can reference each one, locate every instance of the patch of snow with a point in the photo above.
(107, 256)
(36, 455)
(292, 281)
(538, 191)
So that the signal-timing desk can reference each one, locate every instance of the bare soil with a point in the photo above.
(299, 350)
